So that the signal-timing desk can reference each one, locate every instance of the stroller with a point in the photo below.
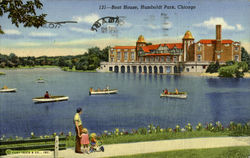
(95, 146)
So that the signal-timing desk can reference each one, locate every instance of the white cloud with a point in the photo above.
(154, 27)
(91, 18)
(126, 24)
(214, 21)
(167, 25)
(42, 34)
(12, 32)
(76, 29)
(239, 27)
(102, 43)
(27, 44)
(43, 51)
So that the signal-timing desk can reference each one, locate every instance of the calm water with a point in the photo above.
(137, 104)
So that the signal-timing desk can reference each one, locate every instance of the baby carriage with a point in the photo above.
(95, 146)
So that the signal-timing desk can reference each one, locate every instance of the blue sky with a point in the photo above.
(72, 39)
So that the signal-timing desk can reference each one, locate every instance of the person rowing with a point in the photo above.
(176, 91)
(46, 95)
(166, 91)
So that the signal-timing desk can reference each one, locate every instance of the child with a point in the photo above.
(94, 146)
(85, 140)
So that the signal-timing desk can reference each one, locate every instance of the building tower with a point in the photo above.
(187, 41)
(140, 43)
(218, 43)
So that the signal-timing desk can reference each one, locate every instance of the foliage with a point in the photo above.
(20, 12)
(213, 67)
(143, 134)
(88, 61)
(245, 56)
(236, 70)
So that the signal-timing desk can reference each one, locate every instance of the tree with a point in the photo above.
(213, 67)
(24, 13)
(245, 56)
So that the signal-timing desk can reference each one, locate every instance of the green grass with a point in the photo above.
(227, 152)
(161, 136)
(1, 73)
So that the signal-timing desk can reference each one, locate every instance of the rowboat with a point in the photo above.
(51, 99)
(40, 81)
(103, 92)
(182, 95)
(7, 90)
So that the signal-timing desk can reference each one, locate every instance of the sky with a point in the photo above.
(165, 24)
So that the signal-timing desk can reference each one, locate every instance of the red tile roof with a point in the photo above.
(172, 45)
(160, 54)
(212, 41)
(156, 46)
(124, 47)
(150, 47)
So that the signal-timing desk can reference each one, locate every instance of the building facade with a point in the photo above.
(187, 56)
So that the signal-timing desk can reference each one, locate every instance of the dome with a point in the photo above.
(188, 35)
(141, 39)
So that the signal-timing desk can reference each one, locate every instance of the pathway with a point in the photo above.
(154, 146)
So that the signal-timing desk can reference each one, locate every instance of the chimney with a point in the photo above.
(218, 38)
(218, 32)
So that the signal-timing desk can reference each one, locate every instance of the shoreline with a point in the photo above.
(197, 74)
(213, 75)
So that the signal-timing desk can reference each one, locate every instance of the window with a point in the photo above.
(175, 58)
(112, 59)
(209, 45)
(162, 59)
(204, 66)
(199, 57)
(157, 59)
(192, 67)
(218, 56)
(168, 59)
(132, 55)
(125, 55)
(236, 58)
(118, 55)
(236, 48)
(199, 48)
(152, 59)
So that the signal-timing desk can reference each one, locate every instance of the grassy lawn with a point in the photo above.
(161, 136)
(113, 139)
(1, 73)
(227, 152)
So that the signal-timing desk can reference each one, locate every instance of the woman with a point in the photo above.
(78, 129)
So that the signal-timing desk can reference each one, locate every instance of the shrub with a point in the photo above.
(188, 127)
(143, 131)
(243, 66)
(228, 71)
(213, 67)
(177, 128)
(199, 127)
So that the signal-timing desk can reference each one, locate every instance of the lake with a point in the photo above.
(137, 104)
